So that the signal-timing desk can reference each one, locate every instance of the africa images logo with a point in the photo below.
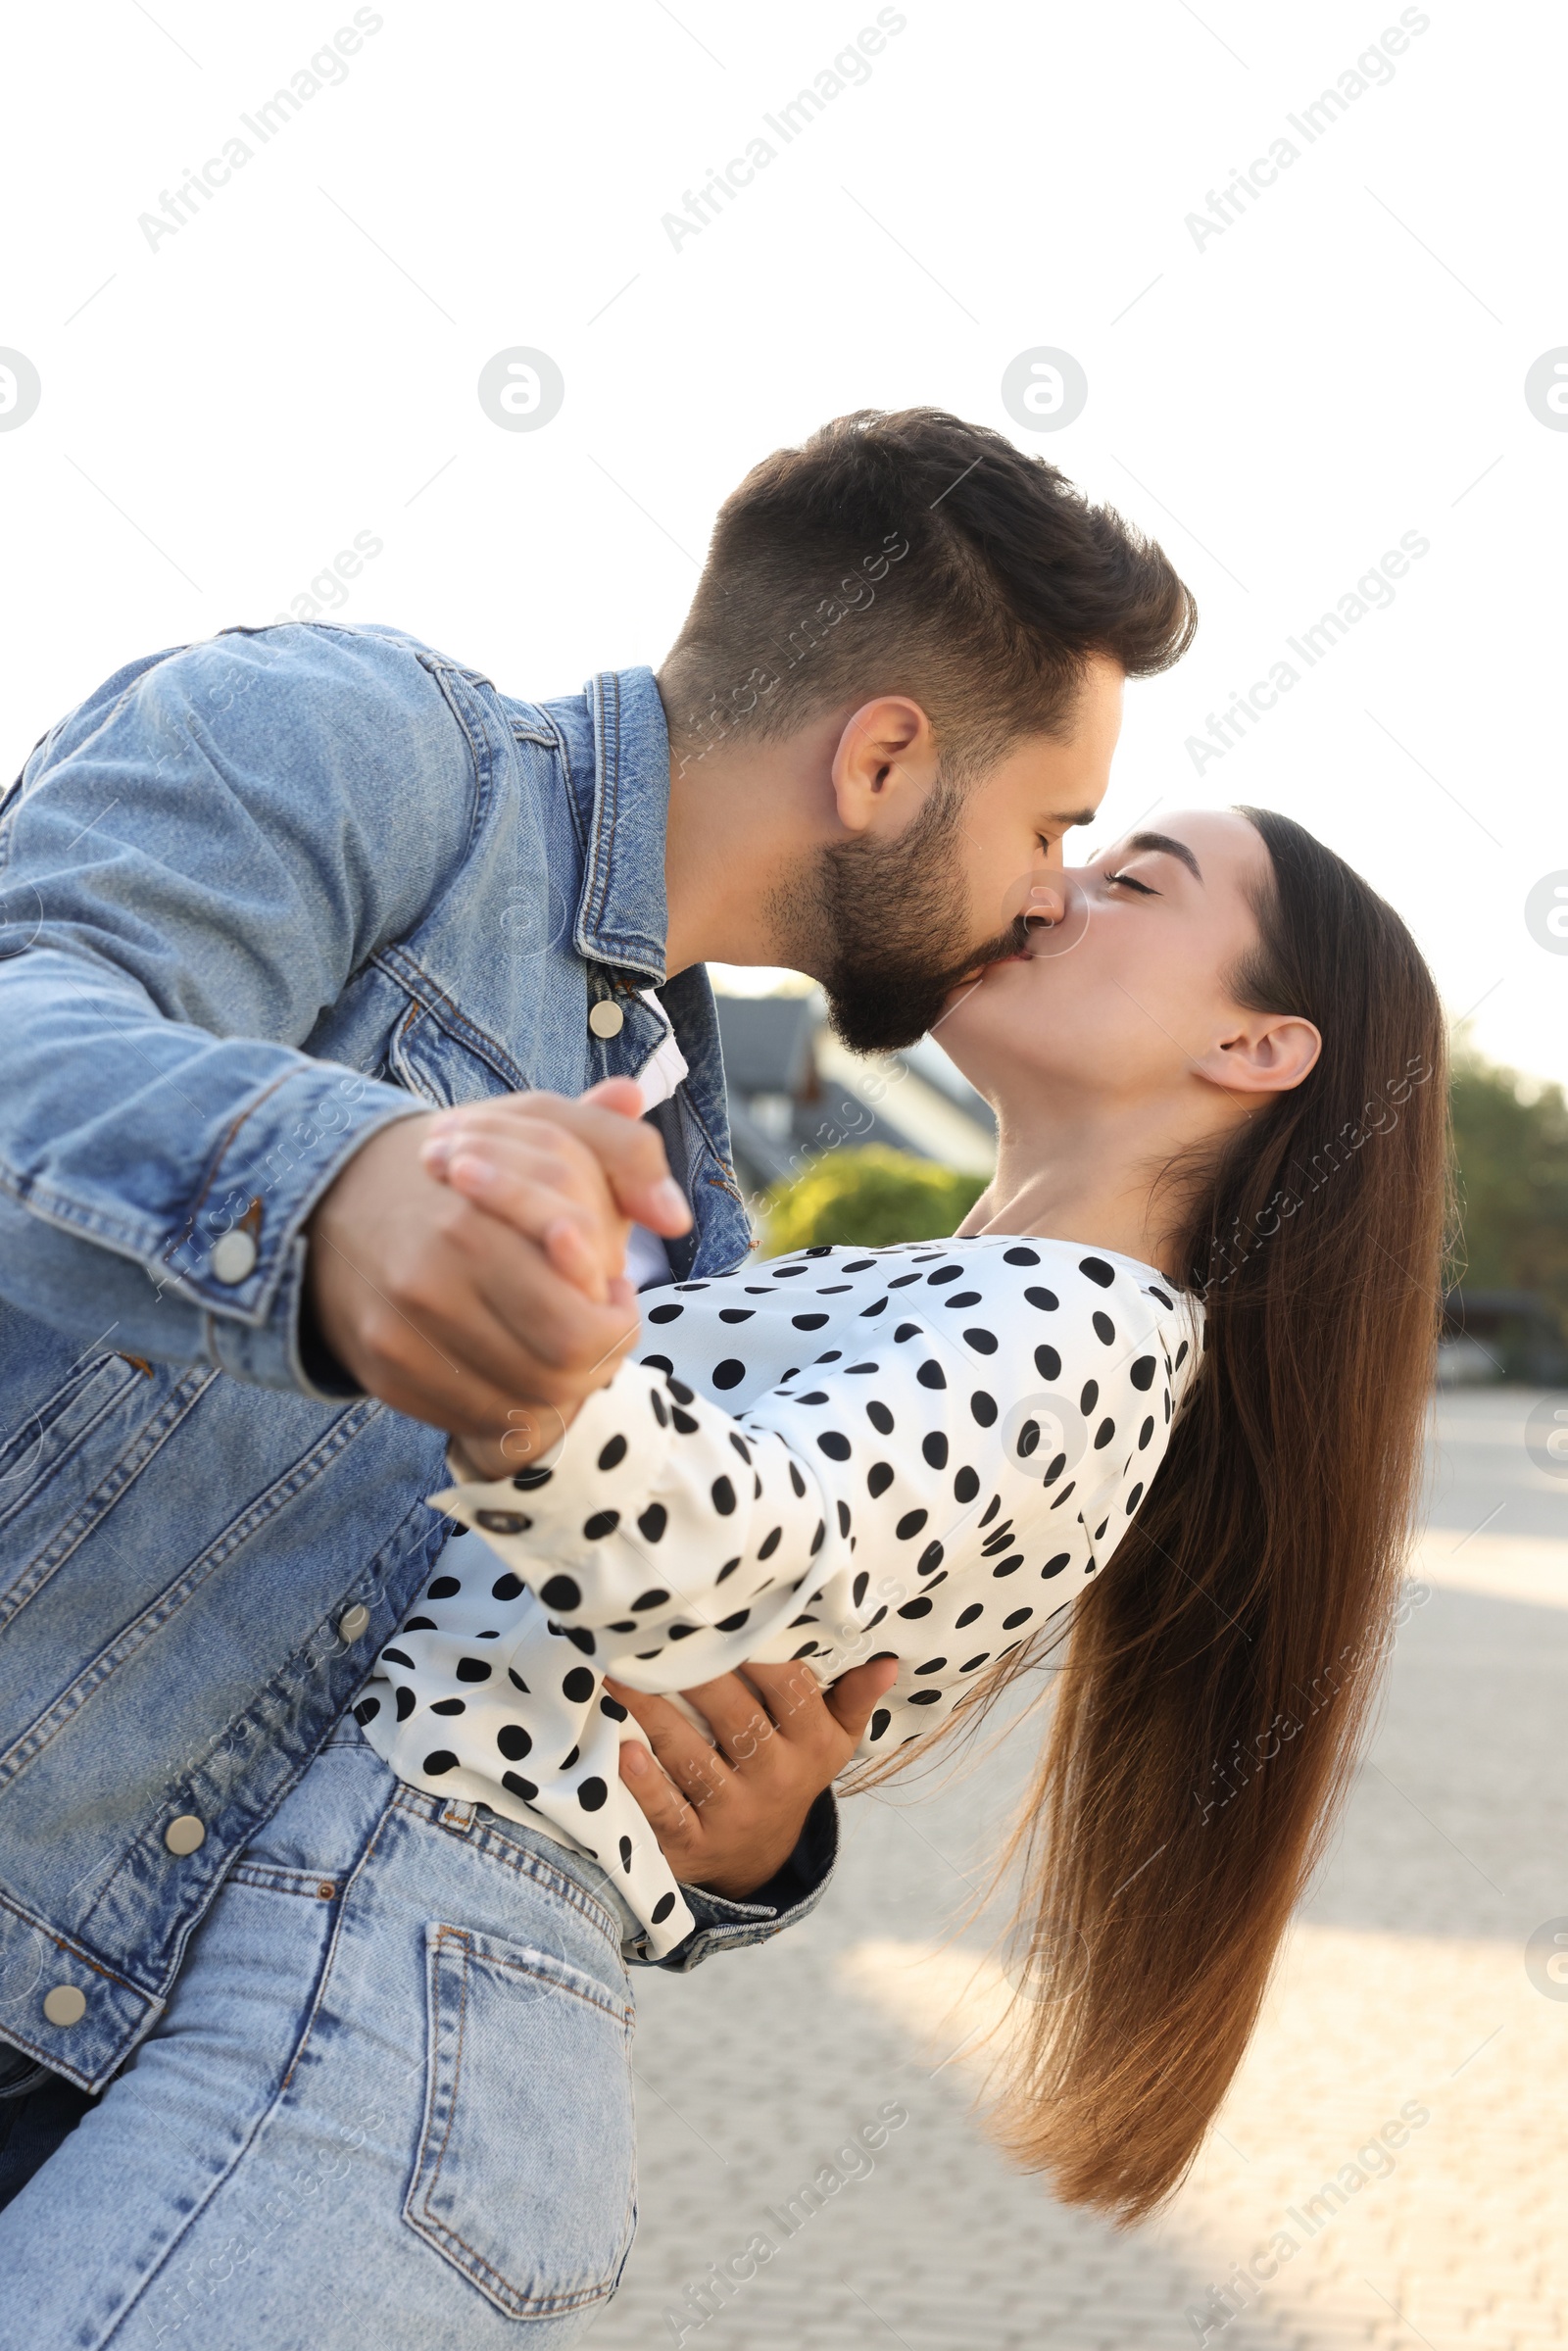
(1546, 913)
(520, 388)
(19, 390)
(1546, 389)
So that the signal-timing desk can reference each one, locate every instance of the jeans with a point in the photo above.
(389, 2103)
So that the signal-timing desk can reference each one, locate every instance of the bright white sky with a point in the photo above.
(1341, 365)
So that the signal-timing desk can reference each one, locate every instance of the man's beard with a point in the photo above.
(887, 922)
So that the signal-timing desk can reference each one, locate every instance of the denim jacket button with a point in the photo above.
(185, 1834)
(66, 2005)
(353, 1621)
(233, 1258)
(606, 1020)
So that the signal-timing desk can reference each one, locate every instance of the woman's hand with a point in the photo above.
(523, 1165)
(728, 1817)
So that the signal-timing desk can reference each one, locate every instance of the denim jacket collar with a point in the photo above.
(622, 916)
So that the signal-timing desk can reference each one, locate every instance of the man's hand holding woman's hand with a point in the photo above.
(520, 1161)
(533, 1165)
(420, 1291)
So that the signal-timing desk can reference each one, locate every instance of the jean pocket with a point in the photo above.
(526, 2172)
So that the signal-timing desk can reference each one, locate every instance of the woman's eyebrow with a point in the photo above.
(1172, 849)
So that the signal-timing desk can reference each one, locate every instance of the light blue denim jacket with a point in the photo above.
(258, 898)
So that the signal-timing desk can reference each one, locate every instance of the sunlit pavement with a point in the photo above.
(1403, 1992)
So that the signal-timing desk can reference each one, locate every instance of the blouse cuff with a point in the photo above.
(789, 1897)
(549, 1491)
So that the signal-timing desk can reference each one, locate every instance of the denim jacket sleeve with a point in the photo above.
(192, 866)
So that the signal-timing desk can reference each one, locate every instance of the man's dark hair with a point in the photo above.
(914, 553)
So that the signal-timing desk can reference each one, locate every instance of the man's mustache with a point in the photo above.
(1013, 941)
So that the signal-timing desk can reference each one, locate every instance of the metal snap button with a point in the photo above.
(233, 1258)
(185, 1834)
(353, 1621)
(66, 2005)
(606, 1018)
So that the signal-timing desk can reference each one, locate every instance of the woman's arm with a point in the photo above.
(671, 1539)
(661, 1523)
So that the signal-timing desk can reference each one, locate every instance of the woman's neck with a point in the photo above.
(1089, 1178)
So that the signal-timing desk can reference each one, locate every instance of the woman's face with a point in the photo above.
(1126, 993)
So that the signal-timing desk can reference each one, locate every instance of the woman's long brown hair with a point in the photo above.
(1219, 1675)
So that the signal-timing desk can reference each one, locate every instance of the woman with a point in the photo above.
(1172, 1372)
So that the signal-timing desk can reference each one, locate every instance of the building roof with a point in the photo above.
(768, 1043)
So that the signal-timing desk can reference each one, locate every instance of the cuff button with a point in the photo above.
(352, 1622)
(186, 1834)
(233, 1258)
(66, 2005)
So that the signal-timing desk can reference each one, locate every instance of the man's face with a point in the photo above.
(904, 919)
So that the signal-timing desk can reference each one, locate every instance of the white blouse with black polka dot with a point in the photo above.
(922, 1450)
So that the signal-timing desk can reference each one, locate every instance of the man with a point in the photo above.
(273, 901)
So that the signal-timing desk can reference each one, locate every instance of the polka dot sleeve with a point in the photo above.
(663, 1523)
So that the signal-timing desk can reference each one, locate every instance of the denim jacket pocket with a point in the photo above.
(435, 1052)
(102, 1397)
(62, 1417)
(525, 2177)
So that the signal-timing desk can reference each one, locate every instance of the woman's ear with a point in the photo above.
(1266, 1053)
(886, 757)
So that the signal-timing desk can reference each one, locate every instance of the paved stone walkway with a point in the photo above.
(1404, 1987)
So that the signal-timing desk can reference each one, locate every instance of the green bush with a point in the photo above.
(1511, 1143)
(866, 1197)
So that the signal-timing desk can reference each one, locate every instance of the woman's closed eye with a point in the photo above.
(1130, 881)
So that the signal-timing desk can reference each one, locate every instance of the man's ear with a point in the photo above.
(884, 764)
(1264, 1052)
